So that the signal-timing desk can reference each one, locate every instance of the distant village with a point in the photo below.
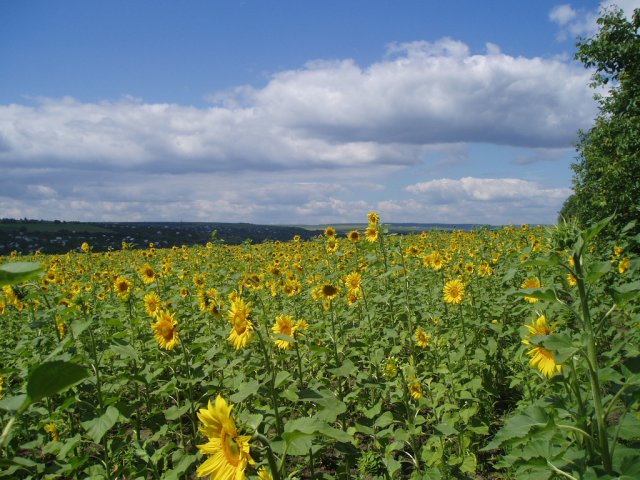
(28, 236)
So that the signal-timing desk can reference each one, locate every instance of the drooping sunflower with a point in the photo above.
(415, 388)
(454, 291)
(165, 330)
(228, 452)
(241, 326)
(624, 265)
(541, 358)
(422, 338)
(533, 282)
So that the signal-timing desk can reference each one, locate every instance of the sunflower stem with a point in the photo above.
(273, 465)
(592, 363)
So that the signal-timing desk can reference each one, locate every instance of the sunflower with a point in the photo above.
(415, 388)
(263, 474)
(624, 265)
(283, 326)
(436, 261)
(422, 338)
(122, 287)
(454, 291)
(52, 430)
(152, 304)
(390, 369)
(228, 453)
(241, 326)
(330, 232)
(541, 358)
(353, 281)
(328, 291)
(165, 330)
(353, 236)
(532, 282)
(147, 274)
(371, 233)
(85, 247)
(571, 279)
(373, 218)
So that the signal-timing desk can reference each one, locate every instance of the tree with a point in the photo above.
(607, 172)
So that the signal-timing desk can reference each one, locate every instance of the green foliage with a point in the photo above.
(12, 273)
(607, 174)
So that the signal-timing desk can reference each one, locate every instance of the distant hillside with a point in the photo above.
(27, 236)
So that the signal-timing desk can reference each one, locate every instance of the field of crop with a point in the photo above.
(489, 354)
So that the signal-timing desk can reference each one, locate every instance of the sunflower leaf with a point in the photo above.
(50, 378)
(16, 272)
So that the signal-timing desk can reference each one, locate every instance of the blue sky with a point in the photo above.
(291, 111)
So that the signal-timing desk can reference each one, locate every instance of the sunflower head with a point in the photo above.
(454, 291)
(330, 232)
(371, 233)
(165, 330)
(422, 338)
(228, 453)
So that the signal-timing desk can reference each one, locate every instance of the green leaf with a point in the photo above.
(50, 378)
(562, 346)
(518, 426)
(178, 471)
(125, 351)
(281, 377)
(547, 294)
(588, 234)
(384, 420)
(625, 293)
(97, 427)
(298, 443)
(346, 369)
(597, 270)
(245, 391)
(445, 429)
(16, 272)
(13, 404)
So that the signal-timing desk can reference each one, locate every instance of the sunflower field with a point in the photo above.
(507, 353)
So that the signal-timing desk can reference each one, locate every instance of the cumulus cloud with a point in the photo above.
(486, 200)
(327, 114)
(583, 22)
(321, 126)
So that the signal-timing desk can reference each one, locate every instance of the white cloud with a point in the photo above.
(583, 22)
(562, 14)
(291, 149)
(488, 200)
(327, 114)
